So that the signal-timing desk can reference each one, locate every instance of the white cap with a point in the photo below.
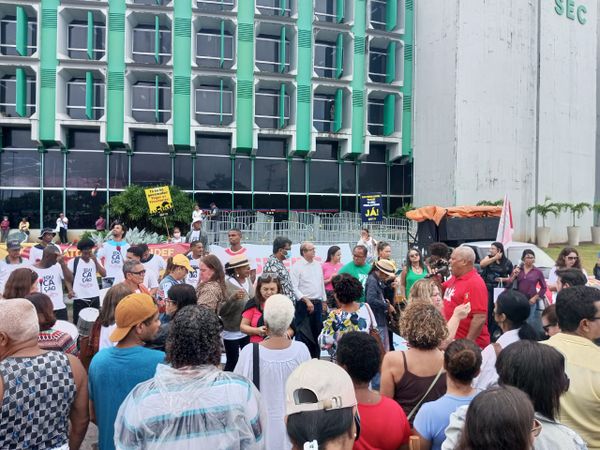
(329, 383)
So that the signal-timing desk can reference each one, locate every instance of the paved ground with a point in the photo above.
(91, 438)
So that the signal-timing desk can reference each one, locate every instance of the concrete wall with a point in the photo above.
(476, 98)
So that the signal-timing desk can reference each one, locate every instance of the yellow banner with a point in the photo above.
(159, 200)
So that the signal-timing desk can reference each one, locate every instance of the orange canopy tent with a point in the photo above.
(437, 213)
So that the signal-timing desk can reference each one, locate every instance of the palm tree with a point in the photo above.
(576, 209)
(545, 209)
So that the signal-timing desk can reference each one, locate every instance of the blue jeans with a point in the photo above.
(383, 334)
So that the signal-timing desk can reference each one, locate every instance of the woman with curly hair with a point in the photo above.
(191, 402)
(568, 258)
(211, 290)
(415, 376)
(350, 315)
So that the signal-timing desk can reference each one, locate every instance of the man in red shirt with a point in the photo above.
(466, 286)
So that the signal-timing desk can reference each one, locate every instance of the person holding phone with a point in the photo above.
(496, 271)
(531, 282)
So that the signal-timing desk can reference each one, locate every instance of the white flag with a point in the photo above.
(505, 227)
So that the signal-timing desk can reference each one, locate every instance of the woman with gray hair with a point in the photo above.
(275, 358)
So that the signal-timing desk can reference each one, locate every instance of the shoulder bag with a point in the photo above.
(255, 366)
(373, 331)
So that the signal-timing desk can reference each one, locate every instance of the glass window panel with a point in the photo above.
(324, 203)
(20, 168)
(273, 7)
(8, 99)
(267, 53)
(84, 140)
(17, 138)
(83, 209)
(53, 168)
(144, 101)
(53, 206)
(17, 204)
(270, 201)
(326, 150)
(151, 142)
(215, 5)
(183, 172)
(377, 64)
(270, 175)
(215, 145)
(267, 108)
(243, 172)
(377, 153)
(372, 178)
(213, 173)
(119, 164)
(77, 40)
(325, 10)
(150, 169)
(323, 112)
(349, 203)
(242, 201)
(86, 169)
(298, 202)
(324, 177)
(208, 48)
(204, 199)
(378, 13)
(8, 32)
(375, 116)
(398, 202)
(401, 179)
(297, 176)
(208, 105)
(272, 147)
(348, 178)
(325, 59)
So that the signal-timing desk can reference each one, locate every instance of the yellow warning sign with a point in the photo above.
(159, 200)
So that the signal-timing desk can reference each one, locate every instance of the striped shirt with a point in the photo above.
(191, 408)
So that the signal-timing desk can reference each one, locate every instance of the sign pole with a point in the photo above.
(167, 227)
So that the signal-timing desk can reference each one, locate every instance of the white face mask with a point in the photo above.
(176, 235)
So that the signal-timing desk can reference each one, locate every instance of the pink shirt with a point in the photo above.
(330, 269)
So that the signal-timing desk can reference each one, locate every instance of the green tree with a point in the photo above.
(130, 206)
(576, 209)
(544, 210)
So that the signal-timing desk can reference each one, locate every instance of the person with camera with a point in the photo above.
(496, 272)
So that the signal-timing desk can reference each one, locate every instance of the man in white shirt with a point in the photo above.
(309, 288)
(52, 270)
(150, 261)
(62, 225)
(85, 270)
(112, 254)
(150, 279)
(11, 262)
(195, 255)
(196, 234)
(35, 252)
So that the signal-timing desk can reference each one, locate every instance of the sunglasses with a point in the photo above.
(268, 276)
(547, 327)
(537, 428)
(141, 272)
(572, 258)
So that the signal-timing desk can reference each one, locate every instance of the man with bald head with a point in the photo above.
(40, 391)
(466, 286)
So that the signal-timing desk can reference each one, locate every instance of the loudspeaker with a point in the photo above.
(468, 229)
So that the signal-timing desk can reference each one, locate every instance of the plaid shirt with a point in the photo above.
(275, 266)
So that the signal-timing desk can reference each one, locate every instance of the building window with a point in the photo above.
(8, 96)
(213, 145)
(151, 2)
(208, 49)
(215, 5)
(323, 112)
(377, 64)
(21, 203)
(326, 10)
(77, 40)
(378, 13)
(8, 36)
(213, 173)
(77, 101)
(144, 106)
(325, 59)
(144, 44)
(269, 112)
(275, 7)
(269, 57)
(19, 168)
(214, 105)
(375, 116)
(86, 169)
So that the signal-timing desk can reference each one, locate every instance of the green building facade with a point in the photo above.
(253, 104)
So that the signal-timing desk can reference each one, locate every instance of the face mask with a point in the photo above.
(288, 254)
(176, 235)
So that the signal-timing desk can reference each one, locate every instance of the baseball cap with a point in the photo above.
(386, 266)
(329, 384)
(181, 260)
(47, 231)
(131, 311)
(197, 220)
(13, 245)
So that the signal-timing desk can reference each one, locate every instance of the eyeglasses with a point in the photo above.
(594, 319)
(537, 428)
(413, 255)
(547, 327)
(572, 258)
(141, 272)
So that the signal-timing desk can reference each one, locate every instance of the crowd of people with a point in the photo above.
(200, 351)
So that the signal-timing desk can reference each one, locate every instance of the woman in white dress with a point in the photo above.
(278, 356)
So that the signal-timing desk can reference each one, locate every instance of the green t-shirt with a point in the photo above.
(361, 273)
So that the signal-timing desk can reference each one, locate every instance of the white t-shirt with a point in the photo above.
(113, 258)
(51, 284)
(35, 253)
(6, 269)
(156, 264)
(104, 341)
(196, 215)
(553, 277)
(193, 277)
(275, 368)
(151, 279)
(85, 283)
